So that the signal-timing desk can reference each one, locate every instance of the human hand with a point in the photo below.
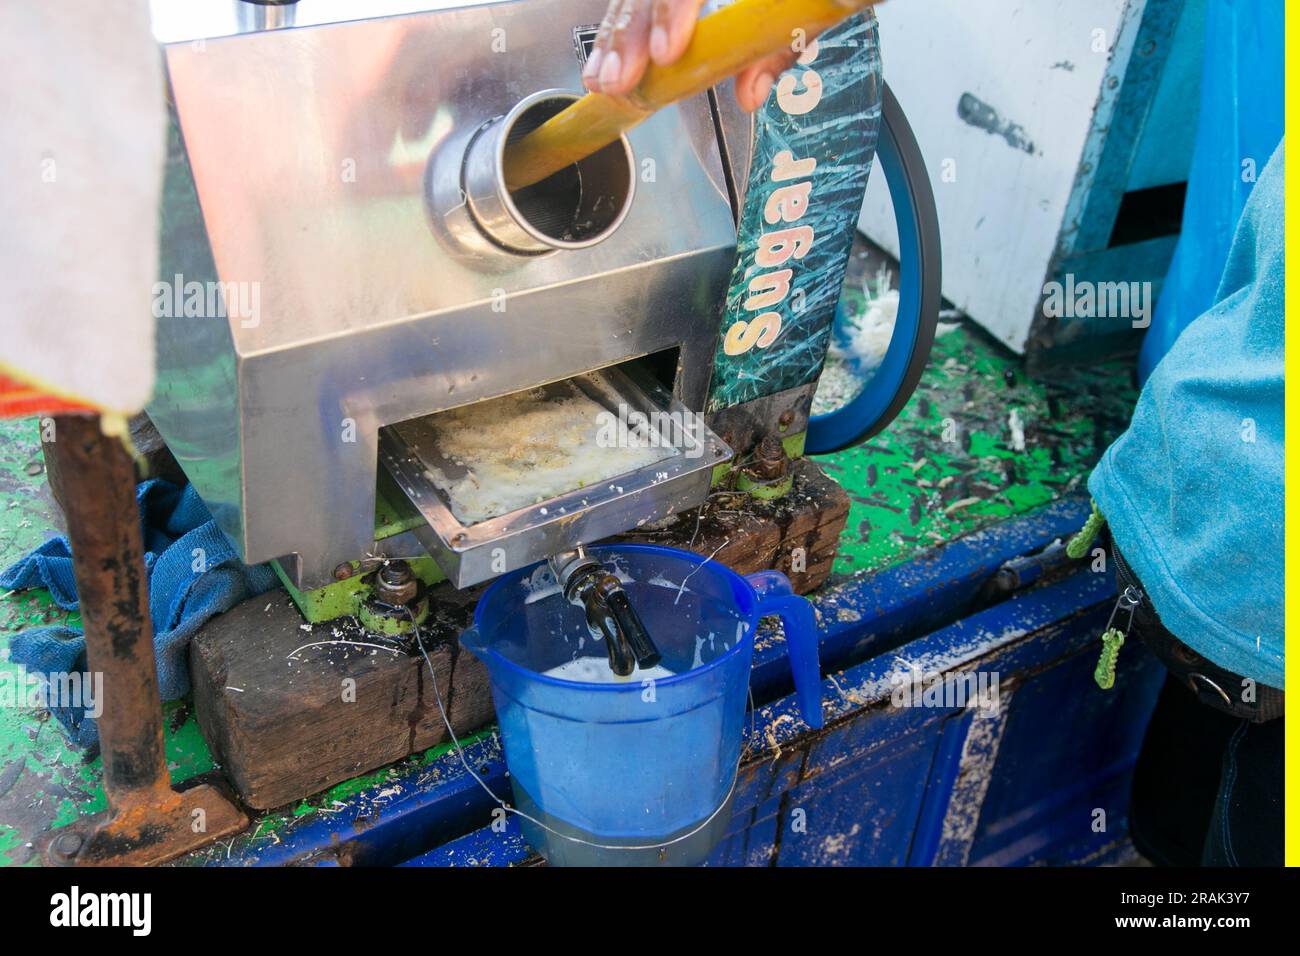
(635, 32)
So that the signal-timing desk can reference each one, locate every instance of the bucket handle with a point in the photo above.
(472, 639)
(777, 597)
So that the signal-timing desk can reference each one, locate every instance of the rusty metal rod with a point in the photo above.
(97, 485)
(147, 821)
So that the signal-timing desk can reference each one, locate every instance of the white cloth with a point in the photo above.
(82, 142)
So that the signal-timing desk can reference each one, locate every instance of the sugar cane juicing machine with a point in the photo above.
(412, 357)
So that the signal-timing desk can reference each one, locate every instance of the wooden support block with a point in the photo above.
(286, 720)
(749, 535)
(156, 457)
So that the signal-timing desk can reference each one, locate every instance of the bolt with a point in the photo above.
(770, 461)
(343, 571)
(396, 584)
(65, 846)
(395, 572)
(787, 417)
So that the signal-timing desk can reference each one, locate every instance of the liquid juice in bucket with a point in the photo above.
(622, 771)
(596, 670)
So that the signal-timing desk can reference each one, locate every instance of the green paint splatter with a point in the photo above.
(949, 464)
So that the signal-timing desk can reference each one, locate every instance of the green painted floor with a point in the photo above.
(950, 463)
(947, 467)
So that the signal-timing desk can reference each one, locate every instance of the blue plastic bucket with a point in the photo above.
(639, 772)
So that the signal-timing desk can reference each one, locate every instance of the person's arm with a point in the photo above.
(634, 32)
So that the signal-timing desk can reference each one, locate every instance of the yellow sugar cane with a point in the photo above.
(724, 43)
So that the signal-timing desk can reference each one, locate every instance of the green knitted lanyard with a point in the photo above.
(1112, 639)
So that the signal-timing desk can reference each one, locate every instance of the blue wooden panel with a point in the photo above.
(1068, 750)
(1100, 188)
(753, 837)
(483, 847)
(1164, 150)
(877, 612)
(876, 785)
(863, 813)
(1136, 263)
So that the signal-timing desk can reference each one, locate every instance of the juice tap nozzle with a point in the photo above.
(588, 584)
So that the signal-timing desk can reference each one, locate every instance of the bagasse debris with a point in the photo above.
(523, 449)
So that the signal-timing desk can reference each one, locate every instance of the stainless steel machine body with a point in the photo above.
(317, 180)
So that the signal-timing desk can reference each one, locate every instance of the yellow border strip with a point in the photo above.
(1292, 438)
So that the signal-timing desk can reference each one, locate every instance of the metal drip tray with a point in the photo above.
(510, 481)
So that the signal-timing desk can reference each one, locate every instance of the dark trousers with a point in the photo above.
(1207, 788)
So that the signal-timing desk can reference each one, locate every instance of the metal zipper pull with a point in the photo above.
(1112, 639)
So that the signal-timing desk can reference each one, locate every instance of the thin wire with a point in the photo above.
(379, 647)
(460, 752)
(682, 586)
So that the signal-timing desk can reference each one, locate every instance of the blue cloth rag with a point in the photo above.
(1193, 490)
(194, 573)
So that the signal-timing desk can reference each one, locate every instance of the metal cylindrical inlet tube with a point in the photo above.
(577, 207)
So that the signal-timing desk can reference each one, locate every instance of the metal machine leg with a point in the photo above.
(147, 821)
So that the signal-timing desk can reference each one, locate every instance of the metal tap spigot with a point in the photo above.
(587, 583)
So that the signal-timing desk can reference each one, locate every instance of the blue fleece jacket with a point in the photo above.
(1193, 489)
